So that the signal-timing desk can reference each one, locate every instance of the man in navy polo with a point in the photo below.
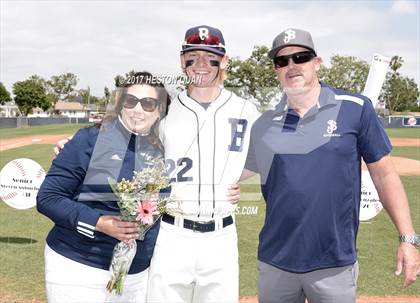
(308, 151)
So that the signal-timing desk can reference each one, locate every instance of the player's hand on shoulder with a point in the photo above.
(234, 193)
(60, 145)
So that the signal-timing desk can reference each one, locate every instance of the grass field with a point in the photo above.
(55, 129)
(403, 132)
(23, 232)
(410, 152)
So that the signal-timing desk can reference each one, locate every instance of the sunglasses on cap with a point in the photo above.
(210, 40)
(298, 58)
(148, 104)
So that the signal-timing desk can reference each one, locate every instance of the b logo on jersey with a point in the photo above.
(289, 35)
(203, 32)
(238, 129)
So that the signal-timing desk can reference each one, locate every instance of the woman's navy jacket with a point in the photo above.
(75, 193)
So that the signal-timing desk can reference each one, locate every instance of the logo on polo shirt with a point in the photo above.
(116, 157)
(331, 128)
(278, 118)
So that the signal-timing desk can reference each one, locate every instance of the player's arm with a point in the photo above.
(60, 145)
(395, 202)
(56, 196)
(246, 174)
(374, 145)
(234, 193)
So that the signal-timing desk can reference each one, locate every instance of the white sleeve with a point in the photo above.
(162, 131)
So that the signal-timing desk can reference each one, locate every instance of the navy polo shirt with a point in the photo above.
(310, 171)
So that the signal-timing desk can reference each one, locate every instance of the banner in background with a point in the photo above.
(20, 180)
(412, 121)
(376, 77)
(370, 205)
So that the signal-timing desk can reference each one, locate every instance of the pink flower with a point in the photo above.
(145, 211)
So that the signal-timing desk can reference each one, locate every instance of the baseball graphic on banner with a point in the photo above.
(20, 180)
(412, 121)
(370, 205)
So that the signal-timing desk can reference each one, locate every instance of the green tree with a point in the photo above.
(89, 99)
(4, 94)
(253, 77)
(348, 73)
(85, 94)
(99, 102)
(38, 79)
(399, 93)
(120, 80)
(395, 64)
(107, 95)
(29, 94)
(51, 97)
(63, 86)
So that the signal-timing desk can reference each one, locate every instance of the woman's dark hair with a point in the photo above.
(144, 78)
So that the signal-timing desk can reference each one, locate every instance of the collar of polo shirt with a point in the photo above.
(326, 98)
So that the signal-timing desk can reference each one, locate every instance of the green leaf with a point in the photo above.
(113, 184)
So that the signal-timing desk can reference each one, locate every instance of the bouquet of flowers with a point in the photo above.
(139, 201)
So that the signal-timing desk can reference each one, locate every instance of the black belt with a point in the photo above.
(198, 226)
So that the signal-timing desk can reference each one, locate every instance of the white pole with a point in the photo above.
(376, 77)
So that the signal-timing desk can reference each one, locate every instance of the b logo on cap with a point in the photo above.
(203, 32)
(289, 35)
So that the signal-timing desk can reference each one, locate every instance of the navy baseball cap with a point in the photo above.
(205, 38)
(291, 37)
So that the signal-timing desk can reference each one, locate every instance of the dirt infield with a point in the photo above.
(405, 142)
(5, 298)
(388, 299)
(404, 166)
(51, 139)
(29, 140)
(362, 299)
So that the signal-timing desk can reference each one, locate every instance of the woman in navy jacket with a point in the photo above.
(76, 196)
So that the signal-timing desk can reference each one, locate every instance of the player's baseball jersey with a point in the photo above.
(205, 151)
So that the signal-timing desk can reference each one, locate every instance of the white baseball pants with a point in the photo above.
(189, 266)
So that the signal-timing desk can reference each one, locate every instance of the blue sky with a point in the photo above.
(98, 39)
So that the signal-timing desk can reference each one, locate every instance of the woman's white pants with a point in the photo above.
(70, 281)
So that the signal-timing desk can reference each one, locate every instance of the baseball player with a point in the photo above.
(205, 136)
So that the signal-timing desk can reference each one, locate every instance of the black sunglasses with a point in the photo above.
(148, 104)
(298, 58)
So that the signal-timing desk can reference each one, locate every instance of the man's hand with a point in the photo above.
(60, 145)
(408, 260)
(114, 227)
(394, 199)
(234, 193)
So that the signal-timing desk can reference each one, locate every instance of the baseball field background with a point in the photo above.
(23, 232)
